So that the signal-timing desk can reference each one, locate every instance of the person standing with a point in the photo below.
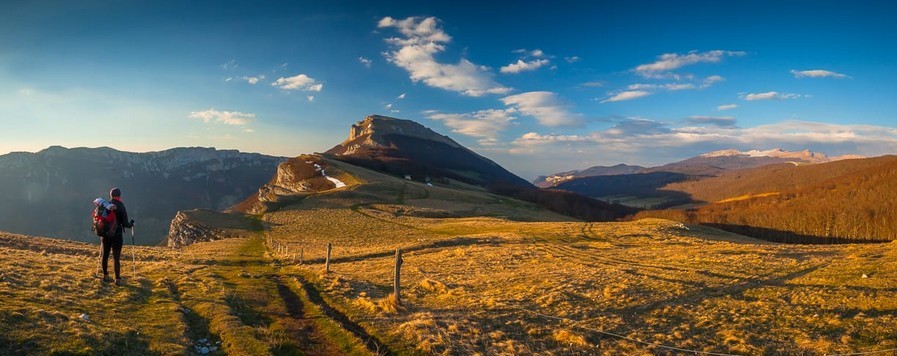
(115, 242)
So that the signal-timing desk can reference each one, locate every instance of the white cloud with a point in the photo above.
(770, 95)
(523, 66)
(416, 51)
(484, 123)
(311, 98)
(224, 117)
(817, 73)
(254, 80)
(671, 61)
(26, 92)
(647, 138)
(298, 82)
(572, 59)
(545, 107)
(228, 79)
(388, 106)
(401, 96)
(709, 81)
(365, 61)
(626, 95)
(726, 107)
(534, 53)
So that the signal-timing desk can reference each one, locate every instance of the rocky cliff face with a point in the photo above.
(186, 230)
(372, 132)
(296, 178)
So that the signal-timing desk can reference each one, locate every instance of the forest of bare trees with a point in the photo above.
(854, 202)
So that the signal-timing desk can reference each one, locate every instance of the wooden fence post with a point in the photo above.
(398, 273)
(327, 263)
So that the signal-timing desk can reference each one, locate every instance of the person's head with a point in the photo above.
(115, 193)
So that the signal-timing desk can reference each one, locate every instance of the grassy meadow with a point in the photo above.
(482, 274)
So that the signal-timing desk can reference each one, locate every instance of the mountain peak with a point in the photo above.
(805, 155)
(407, 148)
(372, 132)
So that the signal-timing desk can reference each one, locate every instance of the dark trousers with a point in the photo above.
(113, 244)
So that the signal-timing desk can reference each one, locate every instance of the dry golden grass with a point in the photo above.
(482, 274)
(496, 286)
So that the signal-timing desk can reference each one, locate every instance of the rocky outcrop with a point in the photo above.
(371, 132)
(186, 230)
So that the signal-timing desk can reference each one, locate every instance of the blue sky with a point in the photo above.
(538, 87)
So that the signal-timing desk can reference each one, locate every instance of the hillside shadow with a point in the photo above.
(788, 237)
(640, 185)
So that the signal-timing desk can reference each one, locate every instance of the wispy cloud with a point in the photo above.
(770, 95)
(534, 53)
(572, 59)
(593, 84)
(671, 61)
(231, 64)
(721, 121)
(523, 66)
(298, 82)
(311, 98)
(401, 96)
(253, 80)
(626, 95)
(422, 39)
(365, 61)
(545, 106)
(484, 123)
(224, 117)
(817, 73)
(726, 107)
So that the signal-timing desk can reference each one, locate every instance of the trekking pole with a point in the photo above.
(99, 261)
(133, 250)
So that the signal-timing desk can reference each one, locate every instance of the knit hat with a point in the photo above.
(115, 192)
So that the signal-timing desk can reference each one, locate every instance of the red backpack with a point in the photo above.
(103, 218)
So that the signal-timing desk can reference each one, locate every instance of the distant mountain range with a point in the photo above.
(50, 192)
(707, 164)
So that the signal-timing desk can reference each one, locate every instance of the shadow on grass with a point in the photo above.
(370, 342)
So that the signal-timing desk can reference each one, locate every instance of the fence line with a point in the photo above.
(284, 249)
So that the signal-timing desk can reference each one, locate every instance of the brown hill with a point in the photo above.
(843, 201)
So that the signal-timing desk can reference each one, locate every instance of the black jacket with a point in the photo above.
(121, 217)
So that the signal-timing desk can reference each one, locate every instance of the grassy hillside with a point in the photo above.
(851, 200)
(482, 274)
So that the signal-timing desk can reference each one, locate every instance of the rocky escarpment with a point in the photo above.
(192, 226)
(373, 132)
(294, 179)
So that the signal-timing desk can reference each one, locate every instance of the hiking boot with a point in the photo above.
(106, 279)
(118, 281)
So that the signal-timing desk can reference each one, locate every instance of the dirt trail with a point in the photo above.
(265, 297)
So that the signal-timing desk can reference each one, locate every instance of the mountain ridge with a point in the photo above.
(59, 183)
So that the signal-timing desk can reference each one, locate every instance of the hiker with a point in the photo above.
(115, 242)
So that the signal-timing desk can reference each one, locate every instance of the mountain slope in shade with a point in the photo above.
(406, 148)
(558, 178)
(50, 192)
